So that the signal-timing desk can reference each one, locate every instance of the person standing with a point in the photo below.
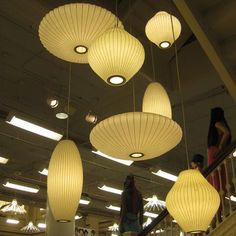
(131, 213)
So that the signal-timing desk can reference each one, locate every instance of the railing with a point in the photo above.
(225, 161)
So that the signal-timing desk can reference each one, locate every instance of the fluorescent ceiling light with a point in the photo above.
(36, 129)
(44, 172)
(124, 162)
(84, 201)
(165, 175)
(234, 153)
(21, 186)
(232, 198)
(150, 214)
(3, 160)
(42, 225)
(114, 208)
(78, 217)
(110, 189)
(12, 221)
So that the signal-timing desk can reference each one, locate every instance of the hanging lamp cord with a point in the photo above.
(153, 64)
(68, 103)
(181, 94)
(117, 20)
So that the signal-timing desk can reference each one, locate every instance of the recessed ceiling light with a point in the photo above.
(150, 214)
(3, 160)
(42, 225)
(124, 162)
(44, 172)
(166, 175)
(36, 129)
(111, 189)
(21, 186)
(114, 208)
(12, 221)
(61, 115)
(52, 102)
(84, 201)
(116, 80)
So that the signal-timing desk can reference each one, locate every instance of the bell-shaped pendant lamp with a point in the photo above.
(136, 136)
(156, 100)
(159, 29)
(116, 56)
(68, 31)
(192, 201)
(65, 181)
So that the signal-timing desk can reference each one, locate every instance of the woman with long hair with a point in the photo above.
(219, 136)
(131, 213)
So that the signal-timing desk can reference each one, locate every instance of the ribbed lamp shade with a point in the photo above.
(65, 181)
(159, 29)
(116, 56)
(156, 100)
(135, 135)
(68, 31)
(192, 201)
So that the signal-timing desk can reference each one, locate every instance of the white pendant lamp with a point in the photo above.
(116, 56)
(136, 135)
(156, 100)
(68, 31)
(159, 29)
(65, 180)
(192, 201)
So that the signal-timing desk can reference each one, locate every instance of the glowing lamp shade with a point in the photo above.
(65, 181)
(159, 29)
(192, 201)
(116, 56)
(68, 31)
(156, 100)
(135, 136)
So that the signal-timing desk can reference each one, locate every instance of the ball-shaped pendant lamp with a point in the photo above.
(116, 56)
(68, 31)
(136, 135)
(65, 181)
(159, 29)
(156, 100)
(192, 201)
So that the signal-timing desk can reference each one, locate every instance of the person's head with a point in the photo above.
(129, 182)
(197, 162)
(217, 114)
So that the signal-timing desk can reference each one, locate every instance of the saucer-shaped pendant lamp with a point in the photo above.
(192, 201)
(68, 31)
(136, 135)
(156, 100)
(159, 29)
(116, 56)
(65, 181)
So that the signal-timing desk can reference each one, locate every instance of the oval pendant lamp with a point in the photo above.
(192, 201)
(116, 56)
(65, 181)
(156, 100)
(159, 29)
(68, 31)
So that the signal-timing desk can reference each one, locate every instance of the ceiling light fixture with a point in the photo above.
(12, 221)
(150, 214)
(36, 129)
(124, 162)
(84, 201)
(42, 225)
(78, 217)
(30, 228)
(68, 31)
(194, 213)
(61, 115)
(116, 56)
(3, 160)
(166, 175)
(44, 172)
(232, 198)
(91, 118)
(114, 208)
(114, 227)
(52, 102)
(110, 189)
(234, 154)
(153, 203)
(22, 186)
(13, 207)
(135, 136)
(159, 29)
(148, 222)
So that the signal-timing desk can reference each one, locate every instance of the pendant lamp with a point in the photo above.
(65, 180)
(68, 31)
(159, 29)
(192, 201)
(156, 100)
(116, 56)
(136, 135)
